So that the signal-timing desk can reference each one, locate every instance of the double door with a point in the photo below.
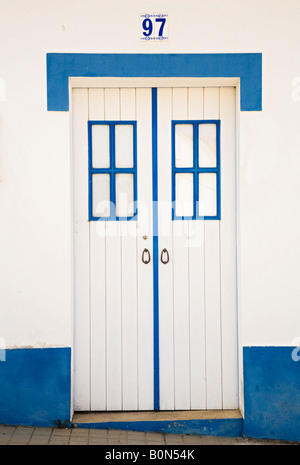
(155, 325)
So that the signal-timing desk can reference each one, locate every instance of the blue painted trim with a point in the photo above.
(230, 427)
(35, 386)
(155, 254)
(272, 392)
(195, 169)
(112, 170)
(246, 66)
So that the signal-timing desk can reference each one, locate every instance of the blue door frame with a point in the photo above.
(246, 66)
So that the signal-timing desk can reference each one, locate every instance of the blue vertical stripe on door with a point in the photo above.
(155, 252)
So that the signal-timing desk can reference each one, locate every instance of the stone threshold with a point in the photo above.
(200, 422)
(168, 415)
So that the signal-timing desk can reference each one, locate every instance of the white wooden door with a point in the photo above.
(159, 333)
(113, 368)
(197, 287)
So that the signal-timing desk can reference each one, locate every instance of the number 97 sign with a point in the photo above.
(154, 26)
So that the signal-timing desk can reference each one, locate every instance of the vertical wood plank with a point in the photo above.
(212, 285)
(129, 285)
(228, 250)
(197, 286)
(97, 285)
(113, 287)
(195, 102)
(166, 317)
(81, 251)
(127, 104)
(197, 315)
(112, 104)
(144, 229)
(181, 285)
(113, 317)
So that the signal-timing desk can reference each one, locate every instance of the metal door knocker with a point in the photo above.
(162, 259)
(146, 256)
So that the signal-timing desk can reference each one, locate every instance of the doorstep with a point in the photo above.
(199, 422)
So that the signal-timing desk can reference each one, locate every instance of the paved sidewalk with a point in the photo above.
(22, 435)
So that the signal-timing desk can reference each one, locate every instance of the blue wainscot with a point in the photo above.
(272, 393)
(35, 386)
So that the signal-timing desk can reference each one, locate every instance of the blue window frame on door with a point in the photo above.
(112, 160)
(196, 176)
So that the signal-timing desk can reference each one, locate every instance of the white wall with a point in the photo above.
(35, 280)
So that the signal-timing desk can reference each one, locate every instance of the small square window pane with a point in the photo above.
(207, 194)
(100, 146)
(207, 146)
(184, 153)
(184, 194)
(101, 195)
(124, 195)
(124, 145)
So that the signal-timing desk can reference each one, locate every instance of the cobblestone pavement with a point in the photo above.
(22, 435)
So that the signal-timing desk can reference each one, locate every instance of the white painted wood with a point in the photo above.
(112, 104)
(192, 279)
(114, 320)
(129, 286)
(212, 285)
(129, 316)
(113, 286)
(197, 285)
(197, 315)
(228, 250)
(181, 283)
(166, 308)
(167, 82)
(97, 286)
(113, 316)
(81, 255)
(144, 229)
(128, 104)
(181, 315)
(115, 327)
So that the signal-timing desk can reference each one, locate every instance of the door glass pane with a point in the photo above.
(124, 145)
(184, 194)
(101, 195)
(124, 195)
(207, 146)
(207, 194)
(100, 146)
(184, 146)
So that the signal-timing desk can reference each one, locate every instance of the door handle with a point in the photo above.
(146, 256)
(162, 259)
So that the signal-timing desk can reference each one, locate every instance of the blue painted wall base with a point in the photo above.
(272, 393)
(35, 386)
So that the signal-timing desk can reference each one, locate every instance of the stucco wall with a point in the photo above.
(35, 188)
